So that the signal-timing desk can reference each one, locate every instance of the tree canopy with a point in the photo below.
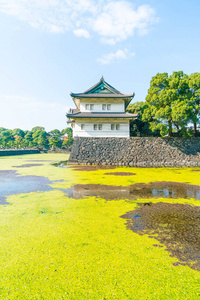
(139, 127)
(172, 103)
(36, 137)
(194, 101)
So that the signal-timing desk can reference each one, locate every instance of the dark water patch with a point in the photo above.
(38, 160)
(3, 201)
(177, 226)
(11, 183)
(92, 168)
(60, 180)
(63, 164)
(120, 174)
(68, 192)
(139, 190)
(28, 165)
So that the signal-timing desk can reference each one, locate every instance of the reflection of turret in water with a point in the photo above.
(102, 191)
(139, 190)
(166, 190)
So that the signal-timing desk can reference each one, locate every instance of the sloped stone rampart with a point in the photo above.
(136, 151)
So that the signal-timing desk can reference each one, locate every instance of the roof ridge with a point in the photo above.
(109, 87)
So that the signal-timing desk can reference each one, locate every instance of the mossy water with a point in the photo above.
(56, 247)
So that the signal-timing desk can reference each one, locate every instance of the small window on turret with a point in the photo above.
(97, 126)
(115, 126)
(87, 106)
(103, 106)
(108, 106)
(82, 126)
(91, 106)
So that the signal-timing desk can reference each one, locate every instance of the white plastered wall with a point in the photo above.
(88, 130)
(117, 105)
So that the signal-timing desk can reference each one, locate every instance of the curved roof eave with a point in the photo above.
(81, 95)
(101, 115)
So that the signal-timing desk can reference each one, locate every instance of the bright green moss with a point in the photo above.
(54, 247)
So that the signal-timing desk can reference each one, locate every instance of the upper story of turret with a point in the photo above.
(102, 98)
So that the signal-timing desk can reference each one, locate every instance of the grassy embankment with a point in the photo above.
(54, 247)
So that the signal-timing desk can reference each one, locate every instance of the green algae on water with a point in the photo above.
(56, 247)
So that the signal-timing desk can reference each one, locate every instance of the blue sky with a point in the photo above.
(49, 48)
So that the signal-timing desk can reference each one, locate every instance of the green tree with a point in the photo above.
(69, 132)
(166, 101)
(36, 128)
(19, 141)
(18, 132)
(55, 138)
(6, 138)
(194, 101)
(37, 137)
(138, 127)
(28, 139)
(2, 129)
(40, 138)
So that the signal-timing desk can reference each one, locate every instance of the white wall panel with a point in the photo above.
(116, 105)
(106, 129)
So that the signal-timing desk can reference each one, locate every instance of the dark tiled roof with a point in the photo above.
(102, 89)
(98, 95)
(79, 114)
(102, 84)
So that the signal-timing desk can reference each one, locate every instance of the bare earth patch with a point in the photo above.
(120, 173)
(177, 226)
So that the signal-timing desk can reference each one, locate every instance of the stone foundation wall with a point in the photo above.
(136, 151)
(18, 152)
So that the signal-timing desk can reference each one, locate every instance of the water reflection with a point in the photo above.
(139, 190)
(11, 183)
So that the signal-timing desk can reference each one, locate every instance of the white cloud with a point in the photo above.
(26, 113)
(119, 54)
(119, 20)
(82, 33)
(49, 15)
(113, 20)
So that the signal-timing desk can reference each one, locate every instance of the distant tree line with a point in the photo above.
(37, 137)
(172, 107)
